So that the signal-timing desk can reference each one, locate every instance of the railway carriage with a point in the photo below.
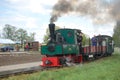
(104, 47)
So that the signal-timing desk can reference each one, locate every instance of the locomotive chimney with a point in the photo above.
(52, 31)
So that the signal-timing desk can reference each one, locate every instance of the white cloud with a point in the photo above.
(44, 2)
(40, 32)
(31, 23)
(35, 6)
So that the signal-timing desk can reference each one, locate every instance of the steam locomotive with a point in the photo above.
(65, 47)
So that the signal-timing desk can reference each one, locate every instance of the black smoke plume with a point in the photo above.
(100, 11)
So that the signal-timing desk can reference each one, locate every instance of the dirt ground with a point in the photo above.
(9, 58)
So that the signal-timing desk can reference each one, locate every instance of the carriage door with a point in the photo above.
(109, 46)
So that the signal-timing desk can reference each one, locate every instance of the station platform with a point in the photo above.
(17, 68)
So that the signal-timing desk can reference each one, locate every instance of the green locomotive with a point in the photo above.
(65, 46)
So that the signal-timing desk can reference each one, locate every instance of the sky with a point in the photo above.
(34, 16)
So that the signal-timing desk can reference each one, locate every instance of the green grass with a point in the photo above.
(107, 68)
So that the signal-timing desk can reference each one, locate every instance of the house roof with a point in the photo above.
(6, 41)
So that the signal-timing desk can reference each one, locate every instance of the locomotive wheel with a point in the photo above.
(63, 61)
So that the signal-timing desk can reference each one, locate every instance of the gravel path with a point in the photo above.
(9, 58)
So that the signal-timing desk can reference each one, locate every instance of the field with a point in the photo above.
(107, 68)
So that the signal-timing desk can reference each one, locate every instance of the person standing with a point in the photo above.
(79, 40)
(94, 43)
(27, 47)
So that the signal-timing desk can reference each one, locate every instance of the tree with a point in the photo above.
(9, 32)
(46, 36)
(32, 36)
(116, 35)
(21, 35)
(85, 40)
